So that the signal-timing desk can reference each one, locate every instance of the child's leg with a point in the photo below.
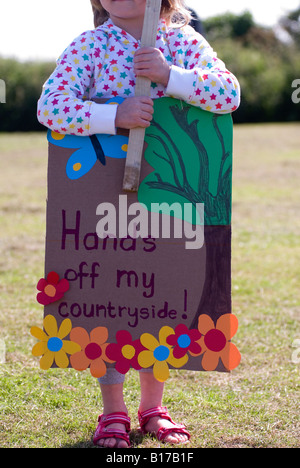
(112, 392)
(112, 395)
(151, 391)
(151, 396)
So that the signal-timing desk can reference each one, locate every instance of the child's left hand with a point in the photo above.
(151, 63)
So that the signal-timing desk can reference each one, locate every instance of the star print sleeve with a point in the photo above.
(198, 76)
(64, 105)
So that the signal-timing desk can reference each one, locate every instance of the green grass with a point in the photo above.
(257, 405)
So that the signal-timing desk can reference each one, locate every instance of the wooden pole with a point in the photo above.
(143, 86)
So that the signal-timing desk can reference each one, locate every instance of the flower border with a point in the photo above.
(211, 342)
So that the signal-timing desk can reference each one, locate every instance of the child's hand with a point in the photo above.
(134, 112)
(151, 63)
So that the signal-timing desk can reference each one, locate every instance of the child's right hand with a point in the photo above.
(134, 112)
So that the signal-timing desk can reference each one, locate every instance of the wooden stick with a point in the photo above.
(143, 86)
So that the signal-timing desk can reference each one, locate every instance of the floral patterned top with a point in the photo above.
(99, 64)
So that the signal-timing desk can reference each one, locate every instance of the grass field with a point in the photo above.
(257, 405)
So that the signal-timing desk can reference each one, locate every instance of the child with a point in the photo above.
(104, 63)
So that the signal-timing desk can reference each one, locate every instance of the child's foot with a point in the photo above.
(113, 431)
(157, 421)
(113, 442)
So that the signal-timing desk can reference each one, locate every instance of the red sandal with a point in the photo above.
(113, 418)
(163, 432)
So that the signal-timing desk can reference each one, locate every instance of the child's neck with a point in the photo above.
(132, 26)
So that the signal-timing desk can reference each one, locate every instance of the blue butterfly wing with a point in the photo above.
(68, 141)
(80, 163)
(114, 146)
(83, 160)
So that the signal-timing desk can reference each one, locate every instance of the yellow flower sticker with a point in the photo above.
(52, 346)
(159, 354)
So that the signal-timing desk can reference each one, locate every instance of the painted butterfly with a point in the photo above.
(90, 149)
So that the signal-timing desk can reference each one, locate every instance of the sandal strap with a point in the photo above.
(163, 432)
(113, 418)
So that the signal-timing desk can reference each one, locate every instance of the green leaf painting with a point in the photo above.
(190, 151)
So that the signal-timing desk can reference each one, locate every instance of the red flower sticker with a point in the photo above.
(52, 289)
(125, 352)
(185, 340)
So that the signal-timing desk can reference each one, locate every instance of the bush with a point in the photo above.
(228, 25)
(264, 65)
(24, 82)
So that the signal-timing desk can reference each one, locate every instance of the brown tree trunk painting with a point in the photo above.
(216, 296)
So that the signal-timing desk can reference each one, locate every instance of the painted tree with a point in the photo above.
(192, 162)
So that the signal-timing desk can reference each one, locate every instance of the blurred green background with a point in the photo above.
(265, 61)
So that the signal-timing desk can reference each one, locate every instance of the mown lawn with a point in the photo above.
(257, 405)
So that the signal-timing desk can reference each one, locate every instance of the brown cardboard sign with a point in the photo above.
(140, 279)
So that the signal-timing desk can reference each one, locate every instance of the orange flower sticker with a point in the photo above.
(93, 350)
(215, 342)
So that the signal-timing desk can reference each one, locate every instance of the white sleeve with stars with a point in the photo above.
(64, 105)
(198, 76)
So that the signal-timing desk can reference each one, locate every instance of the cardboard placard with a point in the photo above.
(141, 279)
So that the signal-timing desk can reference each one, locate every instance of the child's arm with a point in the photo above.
(64, 105)
(198, 76)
